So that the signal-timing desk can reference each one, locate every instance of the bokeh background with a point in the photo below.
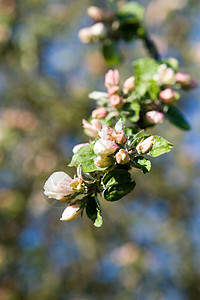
(149, 245)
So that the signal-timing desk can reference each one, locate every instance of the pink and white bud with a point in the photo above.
(79, 146)
(154, 117)
(92, 128)
(122, 157)
(167, 96)
(129, 85)
(85, 35)
(113, 90)
(58, 186)
(105, 147)
(95, 13)
(145, 145)
(119, 137)
(112, 78)
(99, 113)
(116, 102)
(165, 75)
(106, 133)
(103, 161)
(98, 31)
(72, 212)
(185, 80)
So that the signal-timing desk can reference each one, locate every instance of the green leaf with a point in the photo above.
(141, 88)
(140, 134)
(117, 176)
(85, 156)
(172, 63)
(111, 54)
(175, 117)
(153, 90)
(146, 68)
(131, 12)
(93, 212)
(132, 111)
(117, 191)
(136, 138)
(142, 163)
(129, 131)
(160, 146)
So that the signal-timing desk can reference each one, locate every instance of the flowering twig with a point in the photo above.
(117, 125)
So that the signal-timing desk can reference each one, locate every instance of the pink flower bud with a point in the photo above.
(112, 78)
(79, 146)
(119, 137)
(116, 102)
(145, 145)
(92, 128)
(122, 157)
(85, 35)
(154, 117)
(129, 85)
(113, 90)
(167, 96)
(185, 80)
(72, 212)
(95, 13)
(57, 186)
(99, 113)
(105, 147)
(103, 161)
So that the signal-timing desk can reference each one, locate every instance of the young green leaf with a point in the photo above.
(85, 156)
(175, 117)
(153, 90)
(111, 54)
(136, 138)
(146, 68)
(117, 176)
(160, 146)
(93, 212)
(131, 12)
(132, 111)
(142, 163)
(118, 191)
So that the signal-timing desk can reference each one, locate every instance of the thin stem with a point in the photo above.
(151, 47)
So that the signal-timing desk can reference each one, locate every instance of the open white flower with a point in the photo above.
(57, 186)
(165, 75)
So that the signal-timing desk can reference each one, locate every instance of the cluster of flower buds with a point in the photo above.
(110, 146)
(153, 111)
(116, 98)
(99, 30)
(167, 78)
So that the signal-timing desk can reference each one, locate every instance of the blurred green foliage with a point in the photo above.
(148, 247)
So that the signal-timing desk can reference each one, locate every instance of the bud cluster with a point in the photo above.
(109, 147)
(152, 112)
(102, 24)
